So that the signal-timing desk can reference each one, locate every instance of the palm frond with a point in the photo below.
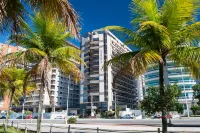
(188, 57)
(68, 53)
(68, 67)
(144, 10)
(11, 12)
(192, 33)
(123, 32)
(155, 35)
(135, 63)
(59, 9)
(177, 13)
(23, 57)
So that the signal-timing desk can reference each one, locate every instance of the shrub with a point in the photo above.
(104, 115)
(194, 109)
(27, 113)
(72, 120)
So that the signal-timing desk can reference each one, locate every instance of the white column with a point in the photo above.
(92, 112)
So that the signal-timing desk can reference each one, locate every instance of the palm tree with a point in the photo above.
(12, 11)
(162, 32)
(11, 85)
(46, 47)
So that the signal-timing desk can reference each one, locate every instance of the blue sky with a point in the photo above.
(96, 14)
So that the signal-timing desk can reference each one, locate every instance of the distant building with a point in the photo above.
(176, 74)
(96, 89)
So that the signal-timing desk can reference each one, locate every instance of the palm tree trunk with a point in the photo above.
(9, 106)
(162, 94)
(40, 108)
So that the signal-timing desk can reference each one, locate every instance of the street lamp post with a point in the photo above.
(23, 107)
(186, 102)
(68, 97)
(115, 105)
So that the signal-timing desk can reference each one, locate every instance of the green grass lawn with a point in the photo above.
(11, 130)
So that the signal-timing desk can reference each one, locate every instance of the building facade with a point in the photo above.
(175, 75)
(96, 89)
(59, 83)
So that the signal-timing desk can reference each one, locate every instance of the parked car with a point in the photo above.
(167, 116)
(59, 117)
(30, 116)
(35, 117)
(20, 117)
(127, 116)
(3, 117)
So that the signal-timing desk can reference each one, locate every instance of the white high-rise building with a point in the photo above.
(58, 90)
(96, 89)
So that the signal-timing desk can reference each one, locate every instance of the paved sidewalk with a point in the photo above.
(58, 128)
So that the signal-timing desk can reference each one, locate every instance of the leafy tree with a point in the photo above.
(46, 47)
(161, 32)
(179, 108)
(152, 104)
(11, 85)
(196, 93)
(13, 11)
(195, 108)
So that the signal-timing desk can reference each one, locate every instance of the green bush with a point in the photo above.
(104, 115)
(27, 113)
(72, 120)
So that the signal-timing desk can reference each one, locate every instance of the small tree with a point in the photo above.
(152, 103)
(179, 108)
(196, 92)
(194, 109)
(11, 85)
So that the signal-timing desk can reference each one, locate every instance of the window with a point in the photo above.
(53, 76)
(53, 71)
(52, 86)
(95, 39)
(53, 81)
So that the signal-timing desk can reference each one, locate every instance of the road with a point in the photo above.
(149, 122)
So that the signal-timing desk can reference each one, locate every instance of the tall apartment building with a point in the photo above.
(59, 91)
(58, 85)
(176, 74)
(96, 89)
